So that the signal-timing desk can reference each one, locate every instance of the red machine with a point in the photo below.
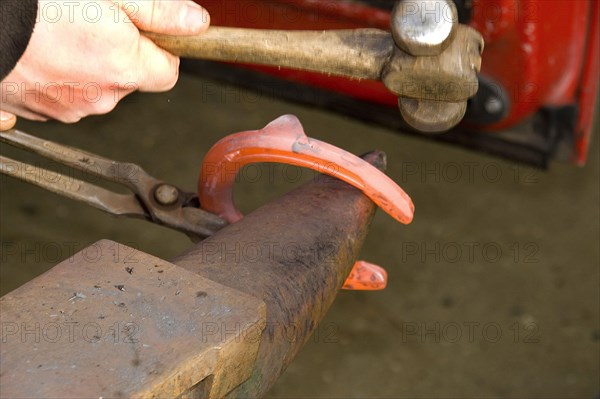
(538, 82)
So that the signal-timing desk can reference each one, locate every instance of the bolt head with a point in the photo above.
(165, 194)
(493, 105)
(424, 27)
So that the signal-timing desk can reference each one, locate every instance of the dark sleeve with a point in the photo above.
(17, 19)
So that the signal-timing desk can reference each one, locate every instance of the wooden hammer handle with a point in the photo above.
(359, 53)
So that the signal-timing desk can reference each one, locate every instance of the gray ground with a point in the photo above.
(493, 290)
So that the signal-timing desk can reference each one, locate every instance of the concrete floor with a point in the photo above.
(493, 289)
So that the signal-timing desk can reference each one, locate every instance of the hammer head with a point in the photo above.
(434, 67)
(424, 27)
(449, 76)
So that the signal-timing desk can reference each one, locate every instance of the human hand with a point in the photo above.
(84, 57)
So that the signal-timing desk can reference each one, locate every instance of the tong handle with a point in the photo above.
(128, 174)
(70, 187)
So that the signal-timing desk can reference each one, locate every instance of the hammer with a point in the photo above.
(429, 60)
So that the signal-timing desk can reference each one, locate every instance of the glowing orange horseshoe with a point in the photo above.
(284, 141)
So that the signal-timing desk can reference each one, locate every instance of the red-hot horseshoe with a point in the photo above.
(284, 141)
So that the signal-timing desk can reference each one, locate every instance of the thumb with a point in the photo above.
(7, 120)
(179, 17)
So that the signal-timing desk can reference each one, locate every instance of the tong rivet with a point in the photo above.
(166, 194)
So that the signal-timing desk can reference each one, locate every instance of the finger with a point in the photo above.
(7, 120)
(158, 70)
(175, 17)
(32, 115)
